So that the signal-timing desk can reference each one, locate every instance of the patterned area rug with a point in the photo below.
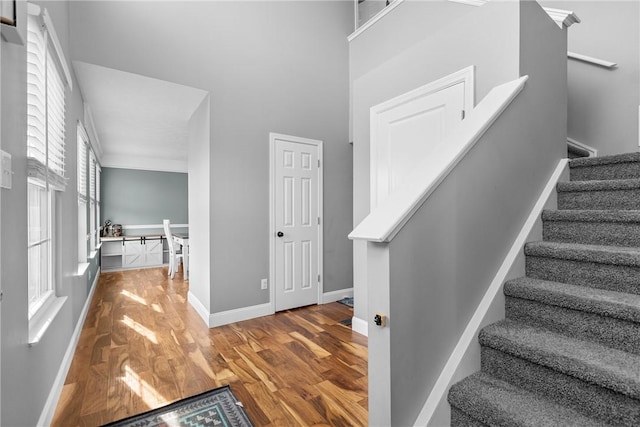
(347, 301)
(218, 407)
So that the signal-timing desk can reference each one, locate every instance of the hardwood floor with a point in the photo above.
(143, 346)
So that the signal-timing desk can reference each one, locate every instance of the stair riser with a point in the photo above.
(617, 278)
(608, 331)
(584, 397)
(602, 172)
(617, 199)
(460, 419)
(592, 233)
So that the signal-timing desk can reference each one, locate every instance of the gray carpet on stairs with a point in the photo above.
(623, 166)
(568, 352)
(601, 227)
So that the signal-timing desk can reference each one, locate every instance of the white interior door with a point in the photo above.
(404, 130)
(296, 216)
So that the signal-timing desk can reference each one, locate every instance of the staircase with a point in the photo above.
(568, 352)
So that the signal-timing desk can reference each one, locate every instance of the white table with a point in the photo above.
(183, 240)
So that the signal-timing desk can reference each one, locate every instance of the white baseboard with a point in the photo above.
(240, 314)
(197, 305)
(225, 317)
(433, 411)
(360, 326)
(334, 296)
(56, 389)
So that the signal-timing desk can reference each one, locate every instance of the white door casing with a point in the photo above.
(407, 128)
(295, 221)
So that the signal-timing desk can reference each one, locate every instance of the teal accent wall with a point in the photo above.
(137, 197)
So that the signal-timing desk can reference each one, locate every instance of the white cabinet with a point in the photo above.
(153, 251)
(132, 252)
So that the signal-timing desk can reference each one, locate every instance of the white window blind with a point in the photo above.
(45, 109)
(92, 202)
(82, 164)
(98, 172)
(92, 175)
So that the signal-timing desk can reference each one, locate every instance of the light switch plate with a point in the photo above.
(5, 170)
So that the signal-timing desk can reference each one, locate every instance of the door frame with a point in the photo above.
(465, 76)
(272, 212)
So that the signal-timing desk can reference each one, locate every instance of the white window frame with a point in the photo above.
(83, 141)
(48, 79)
(93, 237)
(44, 291)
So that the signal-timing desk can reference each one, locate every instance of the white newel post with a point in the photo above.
(379, 336)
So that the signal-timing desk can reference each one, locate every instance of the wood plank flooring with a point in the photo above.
(143, 346)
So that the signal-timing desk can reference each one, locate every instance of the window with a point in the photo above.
(88, 195)
(92, 201)
(98, 172)
(40, 246)
(82, 194)
(45, 165)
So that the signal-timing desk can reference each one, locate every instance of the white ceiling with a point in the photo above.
(140, 122)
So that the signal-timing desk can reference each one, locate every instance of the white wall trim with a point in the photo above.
(92, 134)
(56, 389)
(593, 152)
(147, 226)
(199, 308)
(563, 18)
(383, 223)
(53, 36)
(470, 2)
(333, 296)
(360, 326)
(144, 163)
(591, 60)
(470, 334)
(373, 20)
(230, 316)
(240, 314)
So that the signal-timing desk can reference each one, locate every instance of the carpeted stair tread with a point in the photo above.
(592, 215)
(590, 362)
(605, 160)
(601, 227)
(495, 402)
(619, 305)
(599, 185)
(623, 166)
(614, 255)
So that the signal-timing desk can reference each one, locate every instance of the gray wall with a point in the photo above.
(200, 204)
(28, 372)
(415, 59)
(140, 197)
(603, 104)
(443, 261)
(270, 67)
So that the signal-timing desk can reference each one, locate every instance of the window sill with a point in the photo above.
(82, 268)
(41, 321)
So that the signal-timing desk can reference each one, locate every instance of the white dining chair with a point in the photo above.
(175, 254)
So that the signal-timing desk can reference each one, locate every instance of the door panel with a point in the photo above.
(404, 134)
(296, 215)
